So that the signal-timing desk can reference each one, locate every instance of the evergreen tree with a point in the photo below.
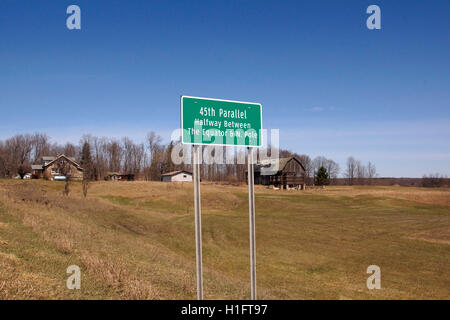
(86, 160)
(322, 177)
(86, 164)
(168, 164)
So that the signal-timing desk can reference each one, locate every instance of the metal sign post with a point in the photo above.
(251, 215)
(198, 220)
(233, 123)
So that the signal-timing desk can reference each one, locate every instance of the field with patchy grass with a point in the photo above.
(135, 240)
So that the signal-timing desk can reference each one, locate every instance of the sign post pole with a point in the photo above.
(198, 221)
(251, 212)
(206, 121)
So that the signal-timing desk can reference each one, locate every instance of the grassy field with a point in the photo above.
(135, 240)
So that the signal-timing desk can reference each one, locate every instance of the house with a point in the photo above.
(285, 172)
(177, 176)
(117, 176)
(50, 167)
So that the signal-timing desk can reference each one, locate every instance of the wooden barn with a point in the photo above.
(282, 172)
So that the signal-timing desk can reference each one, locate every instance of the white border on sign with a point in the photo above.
(220, 144)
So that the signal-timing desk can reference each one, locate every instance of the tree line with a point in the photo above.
(149, 159)
(324, 171)
(145, 160)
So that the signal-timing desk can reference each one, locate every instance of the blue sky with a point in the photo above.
(332, 87)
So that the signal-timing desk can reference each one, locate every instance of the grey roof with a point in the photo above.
(272, 166)
(51, 158)
(172, 173)
(36, 167)
(64, 156)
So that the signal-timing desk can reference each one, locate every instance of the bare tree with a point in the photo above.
(434, 180)
(155, 148)
(309, 167)
(318, 162)
(4, 165)
(168, 165)
(242, 164)
(350, 170)
(138, 158)
(18, 150)
(64, 169)
(156, 156)
(361, 172)
(41, 146)
(70, 150)
(371, 172)
(128, 149)
(114, 155)
(332, 169)
(285, 153)
(99, 150)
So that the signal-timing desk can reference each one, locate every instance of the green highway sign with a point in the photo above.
(207, 121)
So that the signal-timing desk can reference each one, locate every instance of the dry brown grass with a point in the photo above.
(436, 235)
(134, 240)
(440, 196)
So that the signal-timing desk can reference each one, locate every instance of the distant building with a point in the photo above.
(49, 168)
(177, 176)
(282, 172)
(117, 176)
(26, 176)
